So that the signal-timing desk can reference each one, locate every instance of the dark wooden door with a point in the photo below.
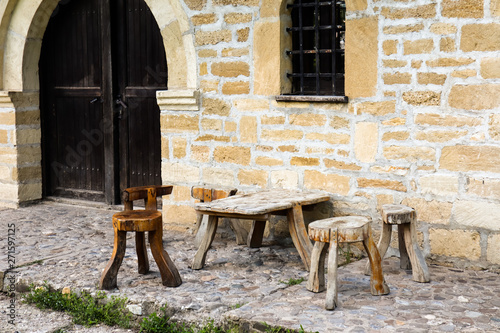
(101, 64)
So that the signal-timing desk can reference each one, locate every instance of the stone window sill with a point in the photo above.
(309, 98)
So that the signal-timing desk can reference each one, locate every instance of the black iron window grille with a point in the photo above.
(318, 38)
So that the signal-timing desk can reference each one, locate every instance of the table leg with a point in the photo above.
(419, 267)
(299, 234)
(208, 237)
(256, 233)
(331, 288)
(201, 228)
(169, 274)
(109, 275)
(316, 281)
(142, 253)
(377, 283)
(239, 231)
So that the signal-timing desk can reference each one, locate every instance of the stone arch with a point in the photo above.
(22, 36)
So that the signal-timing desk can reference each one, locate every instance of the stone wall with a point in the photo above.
(422, 126)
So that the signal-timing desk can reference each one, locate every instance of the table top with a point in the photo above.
(262, 202)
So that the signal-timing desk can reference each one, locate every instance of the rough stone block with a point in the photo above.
(195, 4)
(208, 124)
(475, 97)
(179, 172)
(455, 243)
(470, 158)
(253, 178)
(304, 161)
(366, 141)
(361, 54)
(397, 78)
(331, 138)
(439, 136)
(200, 153)
(268, 161)
(382, 183)
(216, 107)
(266, 58)
(179, 147)
(243, 34)
(356, 5)
(418, 46)
(394, 63)
(236, 88)
(432, 212)
(422, 97)
(281, 135)
(339, 122)
(212, 37)
(211, 137)
(224, 177)
(231, 69)
(449, 62)
(462, 8)
(236, 2)
(232, 52)
(490, 68)
(493, 250)
(209, 85)
(235, 18)
(376, 108)
(447, 44)
(411, 154)
(464, 74)
(390, 47)
(271, 120)
(307, 119)
(178, 214)
(431, 78)
(446, 120)
(201, 19)
(171, 123)
(236, 155)
(30, 191)
(438, 185)
(397, 135)
(207, 53)
(403, 28)
(494, 129)
(332, 183)
(248, 129)
(484, 187)
(425, 11)
(477, 214)
(329, 163)
(251, 104)
(480, 37)
(284, 179)
(443, 28)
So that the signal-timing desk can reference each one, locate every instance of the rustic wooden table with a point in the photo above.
(259, 206)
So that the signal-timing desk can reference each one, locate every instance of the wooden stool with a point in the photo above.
(140, 221)
(410, 256)
(346, 229)
(207, 193)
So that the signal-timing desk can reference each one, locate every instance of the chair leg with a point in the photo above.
(420, 270)
(208, 237)
(169, 274)
(404, 260)
(383, 244)
(109, 275)
(331, 288)
(142, 253)
(377, 283)
(316, 281)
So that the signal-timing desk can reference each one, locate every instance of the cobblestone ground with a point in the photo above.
(69, 246)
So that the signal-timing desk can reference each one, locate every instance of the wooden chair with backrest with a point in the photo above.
(140, 221)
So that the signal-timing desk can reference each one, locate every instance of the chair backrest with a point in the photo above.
(149, 193)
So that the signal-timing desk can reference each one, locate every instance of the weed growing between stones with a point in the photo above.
(85, 309)
(162, 324)
(293, 282)
(280, 329)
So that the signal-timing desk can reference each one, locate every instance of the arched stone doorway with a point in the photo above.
(22, 26)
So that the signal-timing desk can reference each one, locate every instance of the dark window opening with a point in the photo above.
(318, 34)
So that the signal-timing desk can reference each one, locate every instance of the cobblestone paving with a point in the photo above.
(69, 246)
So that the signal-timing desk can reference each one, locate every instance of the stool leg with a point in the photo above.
(142, 253)
(208, 237)
(420, 271)
(108, 277)
(404, 260)
(383, 244)
(169, 274)
(316, 281)
(377, 283)
(331, 288)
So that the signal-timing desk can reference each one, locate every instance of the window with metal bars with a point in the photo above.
(318, 34)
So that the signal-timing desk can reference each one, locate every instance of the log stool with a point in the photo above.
(140, 221)
(410, 256)
(346, 229)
